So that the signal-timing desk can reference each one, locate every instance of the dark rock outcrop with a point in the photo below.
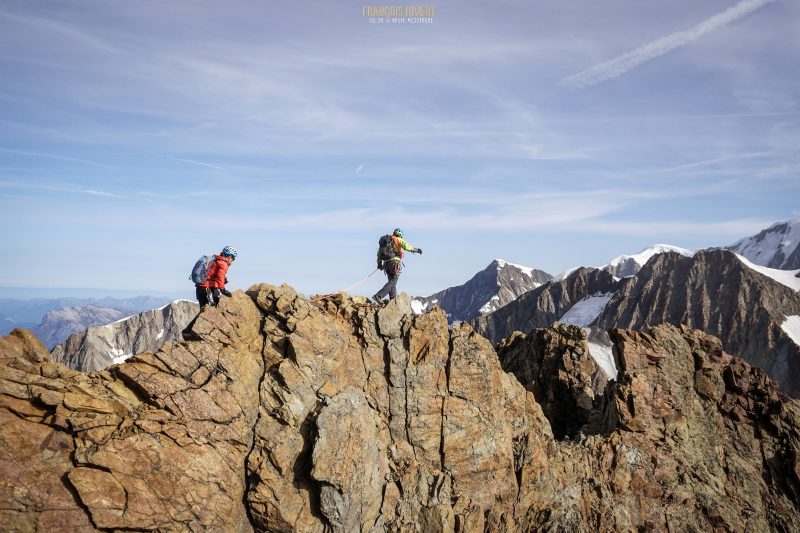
(281, 414)
(555, 365)
(98, 347)
(487, 291)
(544, 305)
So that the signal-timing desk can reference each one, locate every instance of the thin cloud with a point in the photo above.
(48, 156)
(100, 193)
(52, 26)
(630, 60)
(706, 162)
(75, 190)
(195, 162)
(659, 231)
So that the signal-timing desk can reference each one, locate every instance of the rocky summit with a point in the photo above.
(278, 413)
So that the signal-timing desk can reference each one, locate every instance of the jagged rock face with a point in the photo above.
(714, 292)
(775, 247)
(98, 347)
(688, 439)
(58, 325)
(434, 420)
(159, 443)
(563, 377)
(490, 289)
(544, 305)
(281, 414)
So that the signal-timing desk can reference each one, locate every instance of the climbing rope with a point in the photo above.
(344, 290)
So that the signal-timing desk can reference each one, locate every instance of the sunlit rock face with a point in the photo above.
(278, 413)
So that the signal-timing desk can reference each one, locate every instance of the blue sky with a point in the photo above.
(135, 136)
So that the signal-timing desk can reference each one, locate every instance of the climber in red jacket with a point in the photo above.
(210, 290)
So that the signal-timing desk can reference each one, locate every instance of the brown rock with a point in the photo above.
(283, 414)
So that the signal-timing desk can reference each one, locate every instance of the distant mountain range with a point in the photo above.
(487, 291)
(57, 325)
(751, 308)
(98, 347)
(28, 313)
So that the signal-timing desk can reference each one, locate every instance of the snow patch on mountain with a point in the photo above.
(586, 311)
(418, 307)
(785, 277)
(117, 355)
(525, 270)
(564, 275)
(628, 265)
(603, 355)
(792, 328)
(121, 358)
(489, 306)
(773, 245)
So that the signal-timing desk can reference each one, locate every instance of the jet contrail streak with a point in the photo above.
(630, 60)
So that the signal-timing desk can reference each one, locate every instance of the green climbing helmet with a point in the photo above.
(398, 232)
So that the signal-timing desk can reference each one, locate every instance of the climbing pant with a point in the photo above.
(392, 269)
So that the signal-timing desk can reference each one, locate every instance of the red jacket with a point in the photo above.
(216, 276)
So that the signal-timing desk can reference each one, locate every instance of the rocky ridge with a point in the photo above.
(98, 347)
(282, 414)
(487, 291)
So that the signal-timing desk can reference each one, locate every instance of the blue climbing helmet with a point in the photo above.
(398, 232)
(229, 250)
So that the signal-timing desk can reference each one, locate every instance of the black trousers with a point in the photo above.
(206, 296)
(392, 269)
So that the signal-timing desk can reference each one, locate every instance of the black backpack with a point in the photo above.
(386, 248)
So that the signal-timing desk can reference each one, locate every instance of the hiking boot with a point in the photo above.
(377, 299)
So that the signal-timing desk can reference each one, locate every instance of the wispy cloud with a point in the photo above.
(707, 162)
(59, 188)
(195, 162)
(630, 60)
(49, 156)
(680, 231)
(52, 26)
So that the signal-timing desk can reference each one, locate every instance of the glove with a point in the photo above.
(226, 292)
(380, 265)
(226, 280)
(418, 251)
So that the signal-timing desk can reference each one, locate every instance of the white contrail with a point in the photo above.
(195, 162)
(630, 60)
